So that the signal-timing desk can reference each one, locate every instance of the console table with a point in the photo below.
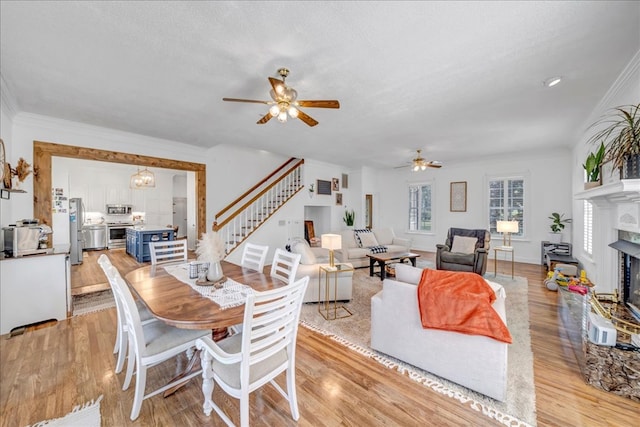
(556, 253)
(507, 249)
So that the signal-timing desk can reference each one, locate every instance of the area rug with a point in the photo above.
(92, 302)
(354, 332)
(87, 415)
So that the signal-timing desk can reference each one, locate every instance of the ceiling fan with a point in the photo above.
(285, 104)
(420, 163)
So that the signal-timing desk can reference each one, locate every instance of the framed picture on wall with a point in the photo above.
(335, 184)
(324, 187)
(458, 202)
(345, 180)
(339, 199)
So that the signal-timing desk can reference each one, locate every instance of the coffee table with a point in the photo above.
(383, 258)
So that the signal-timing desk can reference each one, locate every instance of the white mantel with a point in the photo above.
(616, 207)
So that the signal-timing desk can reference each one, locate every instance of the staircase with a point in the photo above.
(236, 222)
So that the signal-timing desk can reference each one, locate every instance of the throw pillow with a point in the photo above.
(300, 246)
(464, 245)
(368, 239)
(384, 236)
(357, 233)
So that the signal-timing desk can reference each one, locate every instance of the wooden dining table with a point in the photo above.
(178, 304)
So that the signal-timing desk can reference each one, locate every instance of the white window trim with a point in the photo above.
(432, 183)
(526, 176)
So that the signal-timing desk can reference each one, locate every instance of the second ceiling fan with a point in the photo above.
(285, 104)
(420, 163)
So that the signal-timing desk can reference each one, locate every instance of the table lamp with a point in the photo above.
(331, 242)
(506, 228)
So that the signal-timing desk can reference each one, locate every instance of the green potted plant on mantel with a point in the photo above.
(620, 133)
(558, 222)
(592, 167)
(349, 217)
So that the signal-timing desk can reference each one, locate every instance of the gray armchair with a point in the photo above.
(475, 261)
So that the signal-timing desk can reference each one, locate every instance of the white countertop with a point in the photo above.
(151, 227)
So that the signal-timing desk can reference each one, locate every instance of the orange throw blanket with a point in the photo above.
(461, 302)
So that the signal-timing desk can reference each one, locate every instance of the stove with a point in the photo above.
(117, 234)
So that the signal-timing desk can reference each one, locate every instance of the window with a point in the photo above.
(506, 202)
(588, 227)
(420, 207)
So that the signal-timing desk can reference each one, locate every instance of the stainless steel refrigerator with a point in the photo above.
(76, 220)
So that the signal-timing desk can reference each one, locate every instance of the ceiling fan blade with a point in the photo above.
(434, 164)
(320, 104)
(275, 83)
(306, 118)
(264, 119)
(246, 100)
(401, 167)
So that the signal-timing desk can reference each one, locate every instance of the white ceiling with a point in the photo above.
(458, 79)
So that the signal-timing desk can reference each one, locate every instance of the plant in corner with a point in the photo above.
(349, 217)
(620, 134)
(592, 167)
(558, 222)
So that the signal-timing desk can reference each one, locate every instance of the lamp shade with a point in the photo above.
(507, 226)
(331, 241)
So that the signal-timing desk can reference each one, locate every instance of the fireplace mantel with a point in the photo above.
(623, 191)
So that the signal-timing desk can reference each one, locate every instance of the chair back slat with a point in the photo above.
(254, 256)
(165, 251)
(285, 265)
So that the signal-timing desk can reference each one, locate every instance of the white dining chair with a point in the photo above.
(151, 344)
(164, 251)
(254, 256)
(285, 265)
(245, 362)
(120, 346)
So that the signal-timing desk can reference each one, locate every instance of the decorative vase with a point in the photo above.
(215, 271)
(631, 167)
(592, 184)
(16, 184)
(555, 237)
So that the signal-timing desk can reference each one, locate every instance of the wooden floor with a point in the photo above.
(51, 368)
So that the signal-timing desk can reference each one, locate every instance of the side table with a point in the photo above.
(327, 307)
(508, 249)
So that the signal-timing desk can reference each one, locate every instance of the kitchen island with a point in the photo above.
(139, 236)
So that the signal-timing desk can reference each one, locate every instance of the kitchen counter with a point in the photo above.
(151, 227)
(56, 250)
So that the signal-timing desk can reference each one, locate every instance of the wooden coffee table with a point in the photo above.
(383, 258)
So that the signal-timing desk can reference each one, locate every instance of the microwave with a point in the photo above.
(119, 209)
(20, 241)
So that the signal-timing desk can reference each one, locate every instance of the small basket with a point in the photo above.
(195, 267)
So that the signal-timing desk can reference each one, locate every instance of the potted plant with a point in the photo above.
(558, 222)
(349, 217)
(620, 134)
(592, 166)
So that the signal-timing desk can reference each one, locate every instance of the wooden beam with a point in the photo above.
(42, 181)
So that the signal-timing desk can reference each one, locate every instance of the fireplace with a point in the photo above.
(629, 253)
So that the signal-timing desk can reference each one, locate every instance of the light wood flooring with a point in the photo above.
(53, 367)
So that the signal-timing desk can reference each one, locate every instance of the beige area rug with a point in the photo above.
(354, 332)
(87, 415)
(92, 302)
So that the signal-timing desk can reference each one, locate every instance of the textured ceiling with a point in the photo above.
(458, 79)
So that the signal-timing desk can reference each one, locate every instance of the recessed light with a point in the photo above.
(550, 82)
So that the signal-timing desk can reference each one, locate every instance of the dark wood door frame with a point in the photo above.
(42, 181)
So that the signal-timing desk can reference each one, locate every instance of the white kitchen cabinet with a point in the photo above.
(33, 289)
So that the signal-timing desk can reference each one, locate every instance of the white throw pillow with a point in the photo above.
(302, 247)
(368, 239)
(408, 273)
(464, 245)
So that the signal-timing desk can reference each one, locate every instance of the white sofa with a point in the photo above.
(351, 251)
(474, 361)
(310, 260)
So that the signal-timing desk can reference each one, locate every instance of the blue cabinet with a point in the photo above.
(138, 240)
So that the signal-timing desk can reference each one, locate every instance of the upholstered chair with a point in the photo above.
(464, 250)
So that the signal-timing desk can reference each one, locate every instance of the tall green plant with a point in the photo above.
(558, 222)
(592, 165)
(620, 134)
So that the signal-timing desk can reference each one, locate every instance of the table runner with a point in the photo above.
(231, 294)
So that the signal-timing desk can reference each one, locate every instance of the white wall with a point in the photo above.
(548, 189)
(6, 133)
(601, 266)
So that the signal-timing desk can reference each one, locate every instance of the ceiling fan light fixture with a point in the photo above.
(282, 117)
(274, 110)
(552, 81)
(293, 112)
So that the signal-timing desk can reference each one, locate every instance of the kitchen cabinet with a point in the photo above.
(138, 239)
(34, 288)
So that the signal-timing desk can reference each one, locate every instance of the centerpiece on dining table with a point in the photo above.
(210, 248)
